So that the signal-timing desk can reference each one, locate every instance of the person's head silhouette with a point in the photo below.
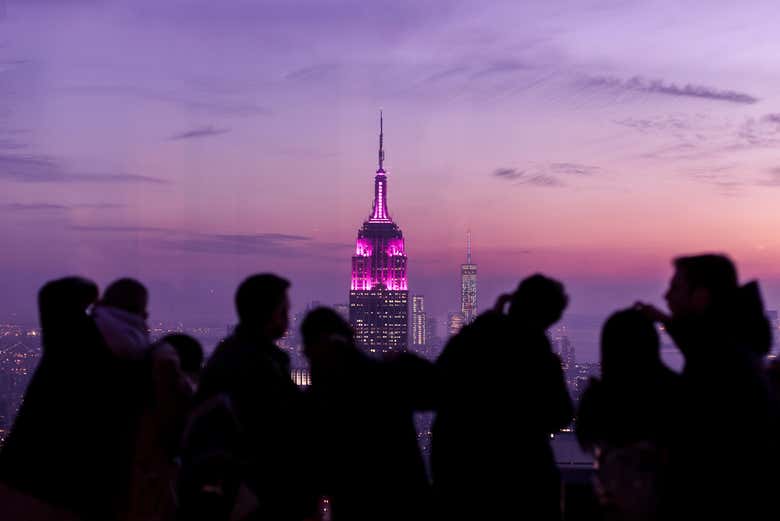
(321, 325)
(128, 295)
(538, 302)
(629, 345)
(263, 305)
(189, 352)
(59, 301)
(328, 344)
(701, 284)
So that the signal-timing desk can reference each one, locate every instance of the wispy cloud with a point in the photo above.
(640, 84)
(257, 244)
(677, 152)
(509, 173)
(277, 244)
(223, 105)
(713, 170)
(773, 179)
(549, 175)
(302, 152)
(689, 137)
(48, 207)
(526, 177)
(117, 229)
(502, 252)
(772, 118)
(449, 72)
(730, 181)
(200, 133)
(34, 207)
(55, 207)
(543, 180)
(262, 237)
(501, 67)
(115, 178)
(268, 244)
(311, 73)
(273, 244)
(674, 122)
(30, 168)
(7, 144)
(38, 168)
(753, 133)
(723, 179)
(7, 65)
(99, 206)
(573, 169)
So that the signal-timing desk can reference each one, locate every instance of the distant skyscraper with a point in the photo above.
(468, 286)
(433, 342)
(419, 323)
(379, 296)
(342, 309)
(565, 350)
(431, 329)
(455, 322)
(314, 304)
(772, 316)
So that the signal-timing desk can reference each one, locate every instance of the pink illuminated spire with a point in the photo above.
(380, 213)
(379, 262)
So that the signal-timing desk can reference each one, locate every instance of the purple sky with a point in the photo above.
(190, 143)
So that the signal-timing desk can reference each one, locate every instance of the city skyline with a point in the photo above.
(189, 145)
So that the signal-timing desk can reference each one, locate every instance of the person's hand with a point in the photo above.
(652, 312)
(501, 302)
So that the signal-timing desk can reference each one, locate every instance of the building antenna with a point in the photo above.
(381, 143)
(468, 247)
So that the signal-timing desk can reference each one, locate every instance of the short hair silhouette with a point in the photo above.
(540, 299)
(714, 272)
(259, 296)
(59, 299)
(323, 320)
(629, 343)
(127, 294)
(188, 349)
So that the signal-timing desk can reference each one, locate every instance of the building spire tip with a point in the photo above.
(381, 141)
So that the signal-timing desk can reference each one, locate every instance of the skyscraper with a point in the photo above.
(565, 350)
(342, 309)
(419, 323)
(378, 295)
(771, 315)
(468, 286)
(455, 322)
(431, 329)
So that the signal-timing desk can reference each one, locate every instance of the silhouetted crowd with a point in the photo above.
(114, 426)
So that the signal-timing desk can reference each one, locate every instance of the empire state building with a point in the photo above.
(379, 293)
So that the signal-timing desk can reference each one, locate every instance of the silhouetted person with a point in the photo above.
(71, 442)
(255, 375)
(212, 473)
(189, 353)
(503, 394)
(121, 318)
(370, 462)
(724, 458)
(174, 364)
(629, 416)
